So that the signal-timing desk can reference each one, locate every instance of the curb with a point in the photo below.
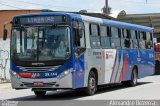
(5, 81)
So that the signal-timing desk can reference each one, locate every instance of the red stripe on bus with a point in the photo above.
(124, 67)
(25, 75)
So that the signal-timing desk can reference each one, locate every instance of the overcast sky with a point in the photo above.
(130, 6)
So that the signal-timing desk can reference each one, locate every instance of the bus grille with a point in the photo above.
(38, 69)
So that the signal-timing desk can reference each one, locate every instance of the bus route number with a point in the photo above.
(50, 74)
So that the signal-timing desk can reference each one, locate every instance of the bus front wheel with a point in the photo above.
(92, 84)
(40, 93)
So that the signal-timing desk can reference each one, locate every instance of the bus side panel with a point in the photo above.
(111, 61)
(147, 63)
(79, 73)
(143, 59)
(151, 61)
(93, 59)
(131, 59)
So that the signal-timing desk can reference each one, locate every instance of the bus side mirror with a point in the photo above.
(5, 34)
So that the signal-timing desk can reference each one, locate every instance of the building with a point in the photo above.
(98, 15)
(117, 13)
(151, 20)
(6, 17)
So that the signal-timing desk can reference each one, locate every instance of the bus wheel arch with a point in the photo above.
(96, 74)
(133, 78)
(92, 82)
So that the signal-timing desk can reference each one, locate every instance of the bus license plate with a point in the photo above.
(38, 83)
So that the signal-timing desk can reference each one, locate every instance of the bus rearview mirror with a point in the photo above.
(5, 34)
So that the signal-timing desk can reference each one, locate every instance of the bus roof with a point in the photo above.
(95, 20)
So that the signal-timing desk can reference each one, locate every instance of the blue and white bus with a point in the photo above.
(58, 50)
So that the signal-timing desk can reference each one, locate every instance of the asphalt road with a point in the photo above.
(147, 89)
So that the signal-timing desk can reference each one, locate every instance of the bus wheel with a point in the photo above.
(40, 93)
(92, 84)
(134, 78)
(133, 81)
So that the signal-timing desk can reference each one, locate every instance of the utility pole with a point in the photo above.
(146, 1)
(106, 9)
(106, 6)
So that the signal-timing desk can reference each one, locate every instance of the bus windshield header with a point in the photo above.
(29, 20)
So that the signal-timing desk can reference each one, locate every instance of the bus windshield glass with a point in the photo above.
(40, 43)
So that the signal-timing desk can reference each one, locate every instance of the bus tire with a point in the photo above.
(134, 77)
(40, 93)
(92, 84)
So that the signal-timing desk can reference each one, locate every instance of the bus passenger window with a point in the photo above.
(115, 39)
(94, 36)
(148, 36)
(144, 36)
(126, 39)
(142, 43)
(149, 41)
(114, 32)
(134, 39)
(141, 35)
(105, 40)
(94, 30)
(103, 31)
(133, 34)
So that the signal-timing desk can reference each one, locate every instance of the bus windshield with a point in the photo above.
(40, 43)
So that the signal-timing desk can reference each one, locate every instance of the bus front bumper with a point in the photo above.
(51, 83)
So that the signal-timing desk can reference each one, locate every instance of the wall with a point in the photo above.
(4, 59)
(151, 20)
(6, 16)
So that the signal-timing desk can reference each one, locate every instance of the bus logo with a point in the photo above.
(38, 64)
(35, 75)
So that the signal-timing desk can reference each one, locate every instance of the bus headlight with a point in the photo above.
(65, 73)
(14, 74)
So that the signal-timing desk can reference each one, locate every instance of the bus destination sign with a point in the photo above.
(42, 19)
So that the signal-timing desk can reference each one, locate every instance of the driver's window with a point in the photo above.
(80, 36)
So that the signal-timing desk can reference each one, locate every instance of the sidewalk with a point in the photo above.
(5, 81)
(5, 85)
